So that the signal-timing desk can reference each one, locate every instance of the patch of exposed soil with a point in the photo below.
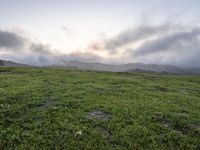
(104, 132)
(99, 115)
(107, 134)
(195, 126)
(158, 117)
(181, 114)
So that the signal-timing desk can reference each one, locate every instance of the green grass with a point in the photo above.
(46, 108)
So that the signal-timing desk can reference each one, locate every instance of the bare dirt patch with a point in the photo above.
(173, 126)
(181, 114)
(100, 115)
(104, 132)
(195, 126)
(163, 120)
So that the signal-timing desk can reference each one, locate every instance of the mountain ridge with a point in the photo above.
(133, 67)
(129, 67)
(12, 64)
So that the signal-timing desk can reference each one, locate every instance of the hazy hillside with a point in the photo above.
(11, 64)
(132, 67)
(1, 63)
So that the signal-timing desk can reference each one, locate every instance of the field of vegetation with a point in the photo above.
(52, 108)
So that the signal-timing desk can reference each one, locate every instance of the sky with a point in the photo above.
(48, 32)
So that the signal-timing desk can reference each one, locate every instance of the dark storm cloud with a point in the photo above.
(174, 41)
(164, 44)
(10, 40)
(15, 41)
(40, 48)
(133, 35)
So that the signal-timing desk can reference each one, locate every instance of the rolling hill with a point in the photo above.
(54, 108)
(11, 64)
(131, 67)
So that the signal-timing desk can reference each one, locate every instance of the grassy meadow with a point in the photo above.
(55, 108)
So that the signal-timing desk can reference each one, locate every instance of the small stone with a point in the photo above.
(79, 133)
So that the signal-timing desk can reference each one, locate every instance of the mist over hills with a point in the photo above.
(11, 64)
(130, 67)
(134, 67)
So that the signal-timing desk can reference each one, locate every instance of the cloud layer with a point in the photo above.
(10, 40)
(136, 34)
(173, 42)
(19, 48)
(158, 44)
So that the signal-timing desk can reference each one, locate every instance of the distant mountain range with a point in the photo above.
(131, 67)
(134, 67)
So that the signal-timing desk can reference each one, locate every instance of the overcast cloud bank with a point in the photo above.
(158, 44)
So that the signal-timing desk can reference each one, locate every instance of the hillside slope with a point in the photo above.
(11, 64)
(50, 108)
(132, 67)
